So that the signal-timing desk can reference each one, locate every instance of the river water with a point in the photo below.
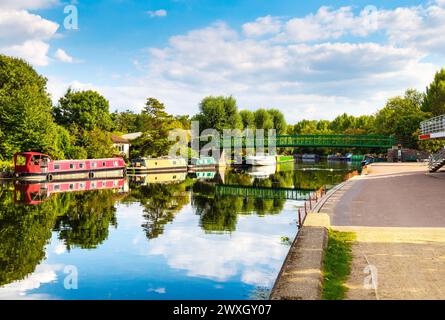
(168, 236)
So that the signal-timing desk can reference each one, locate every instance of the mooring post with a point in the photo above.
(299, 217)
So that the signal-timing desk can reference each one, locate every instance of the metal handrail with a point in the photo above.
(437, 158)
(433, 125)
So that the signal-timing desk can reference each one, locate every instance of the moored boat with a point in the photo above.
(202, 164)
(39, 167)
(164, 164)
(261, 159)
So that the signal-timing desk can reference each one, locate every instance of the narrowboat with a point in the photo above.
(36, 193)
(158, 165)
(261, 159)
(202, 163)
(39, 167)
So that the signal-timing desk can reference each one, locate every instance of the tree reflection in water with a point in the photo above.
(83, 219)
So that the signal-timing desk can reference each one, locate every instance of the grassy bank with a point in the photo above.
(337, 264)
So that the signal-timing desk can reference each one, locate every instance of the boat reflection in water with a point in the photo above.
(262, 172)
(36, 193)
(167, 178)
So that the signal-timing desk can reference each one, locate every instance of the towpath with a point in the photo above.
(398, 214)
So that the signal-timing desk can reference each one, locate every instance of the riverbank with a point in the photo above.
(396, 212)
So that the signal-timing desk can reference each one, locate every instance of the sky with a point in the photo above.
(310, 59)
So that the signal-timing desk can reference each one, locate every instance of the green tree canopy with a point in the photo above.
(218, 113)
(248, 119)
(279, 122)
(26, 121)
(400, 117)
(434, 101)
(87, 109)
(263, 119)
(156, 124)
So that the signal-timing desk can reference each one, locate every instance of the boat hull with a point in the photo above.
(69, 175)
(261, 161)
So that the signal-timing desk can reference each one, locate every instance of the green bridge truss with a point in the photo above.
(263, 193)
(314, 140)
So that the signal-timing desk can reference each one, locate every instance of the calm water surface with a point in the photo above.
(170, 236)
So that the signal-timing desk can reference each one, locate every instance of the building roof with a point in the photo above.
(132, 136)
(117, 139)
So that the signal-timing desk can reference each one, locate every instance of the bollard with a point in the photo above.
(299, 218)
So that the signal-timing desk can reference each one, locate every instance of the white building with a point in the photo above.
(122, 145)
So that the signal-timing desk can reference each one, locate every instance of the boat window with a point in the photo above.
(56, 166)
(71, 186)
(81, 165)
(93, 185)
(174, 162)
(115, 163)
(56, 187)
(21, 160)
(71, 165)
(81, 185)
(156, 163)
(94, 164)
(35, 160)
(103, 164)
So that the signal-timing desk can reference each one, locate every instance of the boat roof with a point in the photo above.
(32, 153)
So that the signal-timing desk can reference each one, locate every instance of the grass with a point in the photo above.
(337, 264)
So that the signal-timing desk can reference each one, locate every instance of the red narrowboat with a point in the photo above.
(36, 193)
(39, 167)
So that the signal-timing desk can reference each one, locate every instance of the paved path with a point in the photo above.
(398, 213)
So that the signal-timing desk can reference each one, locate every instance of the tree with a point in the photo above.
(248, 119)
(279, 122)
(401, 117)
(125, 122)
(156, 124)
(263, 119)
(97, 144)
(218, 113)
(26, 121)
(87, 109)
(434, 101)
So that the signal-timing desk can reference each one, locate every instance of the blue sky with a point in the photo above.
(311, 59)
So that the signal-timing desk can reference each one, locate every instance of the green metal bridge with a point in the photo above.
(314, 140)
(263, 193)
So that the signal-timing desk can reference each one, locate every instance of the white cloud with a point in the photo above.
(61, 55)
(262, 26)
(44, 273)
(315, 66)
(26, 35)
(157, 13)
(222, 257)
(28, 4)
(35, 52)
(157, 290)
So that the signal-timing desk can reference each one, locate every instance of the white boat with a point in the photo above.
(261, 159)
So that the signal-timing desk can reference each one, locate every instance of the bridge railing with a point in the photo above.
(433, 125)
(307, 140)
